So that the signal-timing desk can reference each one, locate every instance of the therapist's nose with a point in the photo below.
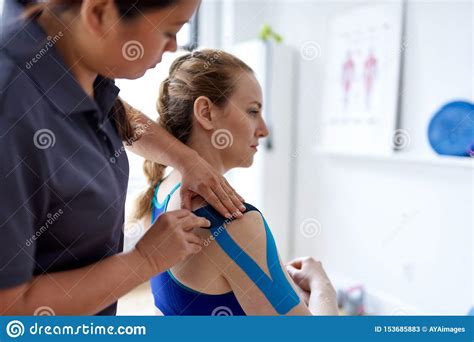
(172, 45)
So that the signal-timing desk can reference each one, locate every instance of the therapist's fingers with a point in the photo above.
(193, 238)
(194, 248)
(186, 198)
(200, 178)
(192, 221)
(234, 196)
(215, 202)
(228, 201)
(226, 183)
(208, 195)
(181, 213)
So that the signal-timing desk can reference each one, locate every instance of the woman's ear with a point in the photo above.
(96, 14)
(203, 112)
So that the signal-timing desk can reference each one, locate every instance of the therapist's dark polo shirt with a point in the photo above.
(63, 168)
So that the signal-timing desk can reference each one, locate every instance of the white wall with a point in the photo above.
(403, 229)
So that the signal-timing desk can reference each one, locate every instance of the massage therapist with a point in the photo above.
(62, 186)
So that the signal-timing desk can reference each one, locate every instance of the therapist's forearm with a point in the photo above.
(155, 143)
(84, 291)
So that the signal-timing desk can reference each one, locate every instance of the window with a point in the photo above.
(188, 35)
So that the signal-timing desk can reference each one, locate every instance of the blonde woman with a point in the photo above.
(212, 102)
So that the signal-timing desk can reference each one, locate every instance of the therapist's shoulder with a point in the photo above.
(20, 101)
(22, 115)
(14, 80)
(9, 72)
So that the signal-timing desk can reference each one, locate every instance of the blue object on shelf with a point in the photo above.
(471, 313)
(451, 131)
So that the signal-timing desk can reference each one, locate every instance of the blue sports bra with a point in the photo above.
(174, 298)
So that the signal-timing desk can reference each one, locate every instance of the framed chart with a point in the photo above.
(361, 86)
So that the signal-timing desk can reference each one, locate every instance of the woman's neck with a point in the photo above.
(65, 47)
(202, 143)
(207, 153)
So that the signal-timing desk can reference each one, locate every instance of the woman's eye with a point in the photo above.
(253, 112)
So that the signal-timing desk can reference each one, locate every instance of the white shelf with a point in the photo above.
(401, 157)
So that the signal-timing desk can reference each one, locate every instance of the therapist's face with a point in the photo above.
(123, 47)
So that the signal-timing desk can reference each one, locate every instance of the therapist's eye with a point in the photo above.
(170, 35)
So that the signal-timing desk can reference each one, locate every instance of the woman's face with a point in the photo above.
(241, 125)
(127, 48)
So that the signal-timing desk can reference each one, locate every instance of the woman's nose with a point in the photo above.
(262, 130)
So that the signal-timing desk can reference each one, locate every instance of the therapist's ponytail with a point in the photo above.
(210, 73)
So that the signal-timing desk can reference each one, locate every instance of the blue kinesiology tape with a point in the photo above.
(276, 288)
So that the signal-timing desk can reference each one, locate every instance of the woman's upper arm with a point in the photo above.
(246, 255)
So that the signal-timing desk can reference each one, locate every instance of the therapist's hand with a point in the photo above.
(155, 143)
(170, 240)
(200, 178)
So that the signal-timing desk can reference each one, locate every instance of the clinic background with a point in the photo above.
(399, 226)
(393, 229)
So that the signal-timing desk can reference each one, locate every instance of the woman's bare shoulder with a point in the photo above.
(248, 232)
